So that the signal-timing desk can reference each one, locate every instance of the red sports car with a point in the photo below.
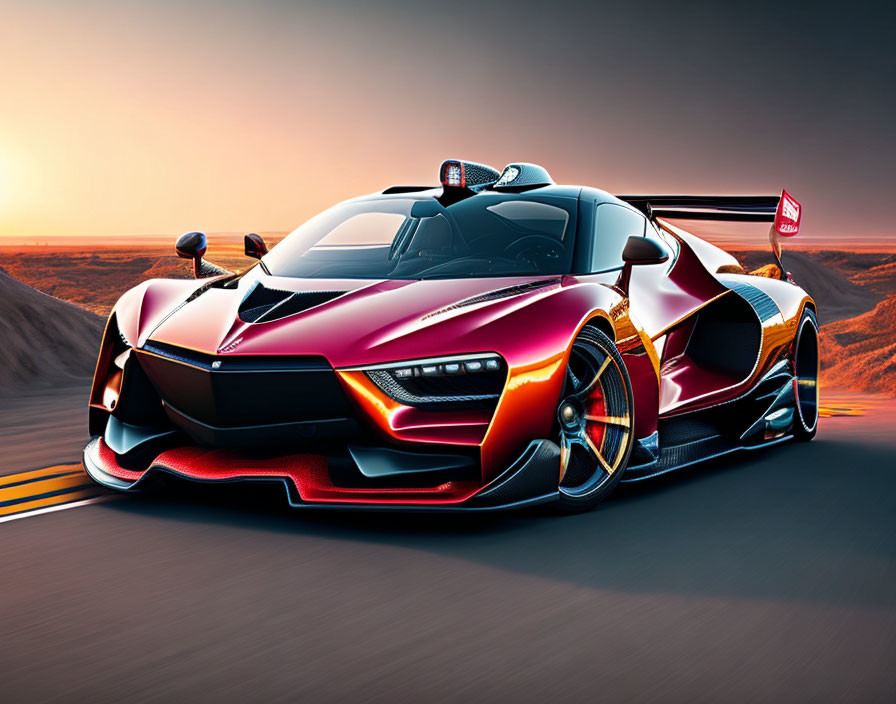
(493, 342)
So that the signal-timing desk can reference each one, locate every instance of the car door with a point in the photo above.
(663, 295)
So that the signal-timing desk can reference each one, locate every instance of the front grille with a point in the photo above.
(244, 391)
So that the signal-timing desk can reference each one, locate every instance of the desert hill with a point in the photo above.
(880, 278)
(46, 342)
(96, 279)
(828, 279)
(860, 354)
(93, 280)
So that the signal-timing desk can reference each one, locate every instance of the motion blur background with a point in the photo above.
(765, 577)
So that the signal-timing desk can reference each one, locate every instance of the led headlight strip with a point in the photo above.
(439, 366)
(469, 378)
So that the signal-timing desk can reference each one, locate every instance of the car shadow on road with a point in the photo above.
(800, 521)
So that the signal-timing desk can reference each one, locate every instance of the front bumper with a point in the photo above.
(530, 479)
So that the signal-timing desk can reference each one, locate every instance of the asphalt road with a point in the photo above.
(41, 427)
(770, 577)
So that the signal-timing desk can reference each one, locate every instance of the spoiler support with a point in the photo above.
(782, 211)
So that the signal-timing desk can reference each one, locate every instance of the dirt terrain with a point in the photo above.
(860, 353)
(856, 296)
(94, 280)
(46, 342)
(833, 279)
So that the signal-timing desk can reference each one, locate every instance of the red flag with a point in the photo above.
(787, 217)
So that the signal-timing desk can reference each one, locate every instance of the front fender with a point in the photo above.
(141, 309)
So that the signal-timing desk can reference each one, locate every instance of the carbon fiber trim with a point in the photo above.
(265, 304)
(535, 473)
(494, 296)
(522, 176)
(391, 387)
(760, 301)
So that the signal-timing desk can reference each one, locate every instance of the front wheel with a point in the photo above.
(596, 421)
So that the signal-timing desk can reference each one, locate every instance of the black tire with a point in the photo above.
(805, 368)
(597, 397)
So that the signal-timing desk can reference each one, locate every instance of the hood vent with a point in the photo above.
(495, 295)
(263, 304)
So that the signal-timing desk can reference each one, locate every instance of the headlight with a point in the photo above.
(468, 381)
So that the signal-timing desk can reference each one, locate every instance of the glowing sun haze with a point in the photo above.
(161, 117)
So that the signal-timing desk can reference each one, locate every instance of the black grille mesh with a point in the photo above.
(471, 390)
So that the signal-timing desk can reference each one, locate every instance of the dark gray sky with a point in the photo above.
(157, 116)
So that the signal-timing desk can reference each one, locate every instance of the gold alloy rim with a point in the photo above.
(576, 422)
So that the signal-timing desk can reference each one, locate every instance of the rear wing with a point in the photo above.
(732, 208)
(784, 212)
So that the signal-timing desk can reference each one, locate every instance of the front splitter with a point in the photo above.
(530, 480)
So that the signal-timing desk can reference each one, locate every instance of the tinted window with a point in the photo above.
(614, 224)
(484, 235)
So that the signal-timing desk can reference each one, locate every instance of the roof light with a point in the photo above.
(509, 176)
(520, 176)
(787, 217)
(453, 174)
(456, 173)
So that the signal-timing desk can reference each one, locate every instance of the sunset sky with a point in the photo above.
(158, 117)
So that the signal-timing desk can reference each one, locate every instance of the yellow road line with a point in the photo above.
(24, 476)
(43, 486)
(39, 490)
(50, 501)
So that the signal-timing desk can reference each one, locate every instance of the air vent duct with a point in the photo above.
(264, 305)
(509, 291)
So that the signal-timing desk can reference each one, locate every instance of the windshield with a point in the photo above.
(400, 238)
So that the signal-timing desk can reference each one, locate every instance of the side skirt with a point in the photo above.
(762, 417)
(691, 453)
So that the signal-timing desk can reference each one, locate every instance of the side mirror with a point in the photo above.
(638, 250)
(641, 250)
(192, 245)
(254, 246)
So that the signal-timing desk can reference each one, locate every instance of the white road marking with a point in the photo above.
(58, 507)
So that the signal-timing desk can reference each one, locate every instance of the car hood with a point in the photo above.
(350, 322)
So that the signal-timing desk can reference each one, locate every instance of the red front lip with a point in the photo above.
(307, 474)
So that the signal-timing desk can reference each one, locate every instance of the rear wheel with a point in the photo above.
(805, 370)
(595, 419)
